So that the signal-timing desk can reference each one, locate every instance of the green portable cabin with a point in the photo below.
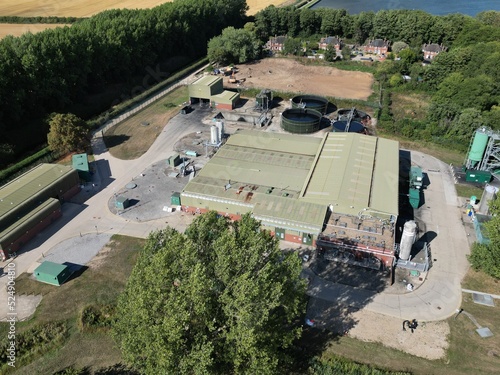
(52, 273)
(415, 197)
(122, 203)
(478, 176)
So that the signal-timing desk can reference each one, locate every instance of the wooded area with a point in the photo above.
(85, 68)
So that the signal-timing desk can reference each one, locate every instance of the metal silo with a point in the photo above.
(214, 135)
(489, 194)
(478, 145)
(408, 238)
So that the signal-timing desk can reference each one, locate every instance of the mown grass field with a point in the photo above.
(130, 138)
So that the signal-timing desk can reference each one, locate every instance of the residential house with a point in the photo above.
(276, 43)
(431, 50)
(378, 46)
(330, 40)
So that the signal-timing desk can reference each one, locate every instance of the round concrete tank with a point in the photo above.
(407, 240)
(301, 121)
(317, 103)
(214, 135)
(478, 145)
(354, 127)
(489, 194)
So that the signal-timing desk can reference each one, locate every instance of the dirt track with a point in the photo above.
(288, 75)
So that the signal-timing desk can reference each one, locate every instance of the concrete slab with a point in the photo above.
(483, 299)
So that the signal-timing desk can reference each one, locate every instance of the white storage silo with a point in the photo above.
(407, 240)
(489, 194)
(214, 135)
(220, 127)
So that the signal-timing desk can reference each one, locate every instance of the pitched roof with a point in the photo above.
(433, 47)
(330, 40)
(378, 43)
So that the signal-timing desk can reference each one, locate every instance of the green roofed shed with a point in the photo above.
(52, 273)
(80, 162)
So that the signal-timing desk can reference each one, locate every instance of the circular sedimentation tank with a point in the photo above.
(301, 120)
(314, 102)
(354, 127)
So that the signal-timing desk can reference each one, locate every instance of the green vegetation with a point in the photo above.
(113, 55)
(467, 191)
(233, 46)
(39, 19)
(68, 133)
(84, 305)
(486, 257)
(129, 139)
(232, 296)
(337, 365)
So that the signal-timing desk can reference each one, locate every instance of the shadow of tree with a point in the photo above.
(115, 140)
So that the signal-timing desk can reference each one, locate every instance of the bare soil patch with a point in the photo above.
(288, 75)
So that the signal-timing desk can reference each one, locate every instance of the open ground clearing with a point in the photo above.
(17, 29)
(86, 8)
(288, 75)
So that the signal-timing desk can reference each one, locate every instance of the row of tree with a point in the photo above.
(411, 26)
(54, 70)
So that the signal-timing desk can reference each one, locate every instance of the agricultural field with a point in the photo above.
(17, 29)
(86, 8)
(82, 8)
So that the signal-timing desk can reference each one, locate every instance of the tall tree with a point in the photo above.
(68, 133)
(221, 298)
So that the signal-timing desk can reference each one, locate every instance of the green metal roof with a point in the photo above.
(226, 96)
(80, 162)
(354, 173)
(207, 80)
(50, 268)
(290, 213)
(28, 184)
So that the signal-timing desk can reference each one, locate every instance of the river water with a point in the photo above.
(436, 7)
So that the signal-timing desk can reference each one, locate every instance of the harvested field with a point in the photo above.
(17, 29)
(288, 75)
(86, 8)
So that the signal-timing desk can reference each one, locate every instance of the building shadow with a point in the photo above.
(104, 172)
(76, 270)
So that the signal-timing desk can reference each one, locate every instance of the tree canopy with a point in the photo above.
(486, 257)
(234, 46)
(221, 298)
(68, 133)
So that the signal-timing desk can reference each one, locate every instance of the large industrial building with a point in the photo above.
(31, 202)
(339, 191)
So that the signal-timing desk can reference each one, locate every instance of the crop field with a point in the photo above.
(17, 29)
(86, 8)
(82, 8)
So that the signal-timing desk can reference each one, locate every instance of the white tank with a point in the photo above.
(220, 127)
(407, 240)
(489, 194)
(214, 135)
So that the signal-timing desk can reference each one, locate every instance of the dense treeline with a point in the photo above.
(462, 84)
(54, 70)
(38, 19)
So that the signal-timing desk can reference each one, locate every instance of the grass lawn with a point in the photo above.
(466, 191)
(101, 283)
(131, 138)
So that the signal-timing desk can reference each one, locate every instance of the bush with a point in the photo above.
(486, 258)
(338, 365)
(94, 317)
(33, 343)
